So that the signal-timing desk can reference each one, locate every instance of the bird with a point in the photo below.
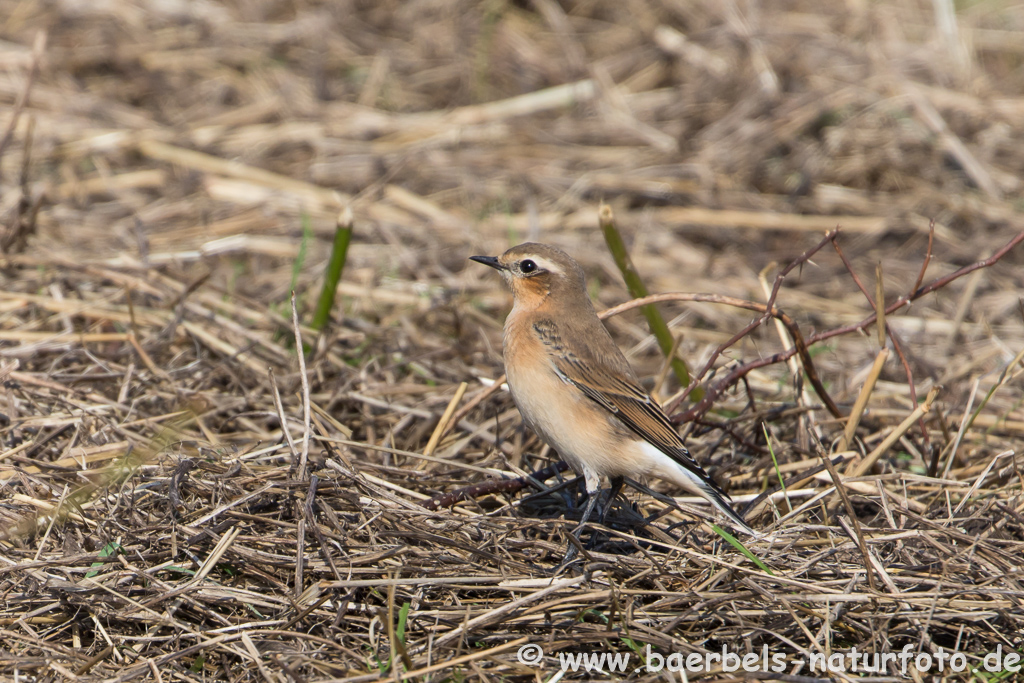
(578, 393)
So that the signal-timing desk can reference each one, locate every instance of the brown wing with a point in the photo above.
(608, 380)
(621, 395)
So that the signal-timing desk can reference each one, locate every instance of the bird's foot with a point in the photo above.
(613, 493)
(575, 545)
(574, 556)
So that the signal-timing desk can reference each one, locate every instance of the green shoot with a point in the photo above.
(775, 463)
(735, 543)
(335, 267)
(637, 289)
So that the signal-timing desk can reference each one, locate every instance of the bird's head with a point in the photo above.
(536, 272)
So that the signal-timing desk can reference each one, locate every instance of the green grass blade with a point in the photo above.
(775, 463)
(335, 267)
(403, 617)
(637, 289)
(735, 543)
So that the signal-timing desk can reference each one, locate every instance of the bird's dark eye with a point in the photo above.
(527, 266)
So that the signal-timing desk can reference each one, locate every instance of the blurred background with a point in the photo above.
(221, 140)
(171, 170)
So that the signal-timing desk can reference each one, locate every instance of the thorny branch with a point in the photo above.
(896, 344)
(799, 346)
(932, 286)
(769, 306)
(803, 258)
(713, 392)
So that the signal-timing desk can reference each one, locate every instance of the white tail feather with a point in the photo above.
(662, 466)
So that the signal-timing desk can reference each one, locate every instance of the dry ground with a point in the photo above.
(177, 169)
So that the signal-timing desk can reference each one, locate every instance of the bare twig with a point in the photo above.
(803, 258)
(878, 304)
(736, 373)
(932, 286)
(304, 379)
(493, 486)
(800, 347)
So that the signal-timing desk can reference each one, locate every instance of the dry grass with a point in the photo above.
(219, 519)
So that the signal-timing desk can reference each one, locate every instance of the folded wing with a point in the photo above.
(634, 407)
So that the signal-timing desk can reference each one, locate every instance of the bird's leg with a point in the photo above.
(579, 487)
(592, 498)
(570, 555)
(593, 481)
(613, 492)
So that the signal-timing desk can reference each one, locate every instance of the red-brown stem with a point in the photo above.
(803, 258)
(800, 260)
(799, 346)
(713, 392)
(927, 256)
(932, 286)
(896, 345)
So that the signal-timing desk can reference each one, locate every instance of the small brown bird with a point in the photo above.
(576, 390)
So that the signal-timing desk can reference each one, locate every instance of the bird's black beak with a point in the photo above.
(491, 261)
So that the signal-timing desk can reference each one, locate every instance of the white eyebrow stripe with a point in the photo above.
(547, 265)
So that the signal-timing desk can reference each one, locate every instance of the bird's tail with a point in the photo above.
(679, 467)
(721, 501)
